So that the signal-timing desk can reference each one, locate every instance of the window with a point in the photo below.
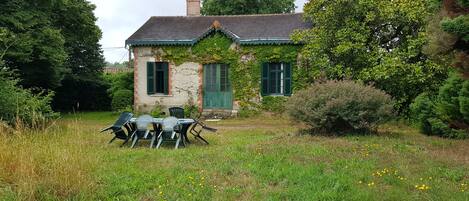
(276, 79)
(157, 78)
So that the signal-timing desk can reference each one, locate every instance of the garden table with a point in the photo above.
(186, 123)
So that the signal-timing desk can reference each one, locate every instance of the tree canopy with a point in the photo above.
(378, 42)
(51, 39)
(243, 7)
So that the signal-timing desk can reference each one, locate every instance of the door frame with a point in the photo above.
(218, 85)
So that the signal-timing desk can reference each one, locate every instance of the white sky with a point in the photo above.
(118, 19)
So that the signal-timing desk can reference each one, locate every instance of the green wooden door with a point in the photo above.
(217, 87)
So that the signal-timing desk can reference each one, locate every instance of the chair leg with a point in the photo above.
(173, 134)
(134, 142)
(178, 141)
(201, 138)
(159, 142)
(125, 142)
(153, 139)
(112, 140)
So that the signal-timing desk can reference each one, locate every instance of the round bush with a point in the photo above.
(122, 99)
(339, 106)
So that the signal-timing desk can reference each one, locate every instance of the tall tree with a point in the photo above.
(38, 53)
(82, 88)
(242, 7)
(377, 41)
(76, 20)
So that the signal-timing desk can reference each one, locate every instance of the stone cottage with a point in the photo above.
(217, 63)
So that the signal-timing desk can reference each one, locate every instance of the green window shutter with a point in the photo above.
(287, 79)
(265, 79)
(150, 78)
(166, 77)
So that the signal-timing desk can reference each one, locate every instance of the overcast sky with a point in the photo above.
(118, 19)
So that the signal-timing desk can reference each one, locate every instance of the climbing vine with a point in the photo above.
(245, 66)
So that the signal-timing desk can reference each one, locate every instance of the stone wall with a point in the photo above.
(184, 83)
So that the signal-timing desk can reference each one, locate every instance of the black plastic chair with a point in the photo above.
(118, 128)
(141, 129)
(171, 131)
(179, 113)
(176, 112)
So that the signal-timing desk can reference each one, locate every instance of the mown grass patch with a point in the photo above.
(249, 159)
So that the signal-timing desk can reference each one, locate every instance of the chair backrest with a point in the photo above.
(123, 119)
(169, 123)
(143, 122)
(176, 112)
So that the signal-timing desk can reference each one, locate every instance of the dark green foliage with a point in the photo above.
(122, 99)
(444, 115)
(378, 42)
(20, 106)
(243, 7)
(274, 104)
(453, 21)
(82, 94)
(464, 101)
(37, 49)
(54, 46)
(191, 111)
(120, 82)
(77, 23)
(458, 26)
(423, 109)
(448, 99)
(340, 106)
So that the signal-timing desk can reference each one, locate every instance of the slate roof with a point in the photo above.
(243, 29)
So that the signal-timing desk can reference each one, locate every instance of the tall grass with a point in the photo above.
(249, 159)
(44, 164)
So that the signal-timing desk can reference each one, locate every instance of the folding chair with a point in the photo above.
(197, 129)
(118, 128)
(142, 132)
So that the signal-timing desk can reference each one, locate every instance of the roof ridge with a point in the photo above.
(250, 15)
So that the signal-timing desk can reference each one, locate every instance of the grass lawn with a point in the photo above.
(249, 159)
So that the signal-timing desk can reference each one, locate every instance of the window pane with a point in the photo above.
(272, 81)
(160, 81)
(224, 85)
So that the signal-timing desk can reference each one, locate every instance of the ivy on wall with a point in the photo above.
(245, 65)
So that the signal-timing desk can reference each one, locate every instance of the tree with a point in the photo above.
(453, 18)
(243, 7)
(38, 53)
(379, 42)
(82, 87)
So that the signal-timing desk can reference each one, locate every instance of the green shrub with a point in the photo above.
(118, 83)
(422, 109)
(157, 111)
(337, 106)
(274, 104)
(448, 99)
(122, 99)
(21, 106)
(191, 111)
(445, 115)
(464, 101)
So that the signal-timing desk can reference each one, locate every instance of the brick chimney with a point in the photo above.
(193, 7)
